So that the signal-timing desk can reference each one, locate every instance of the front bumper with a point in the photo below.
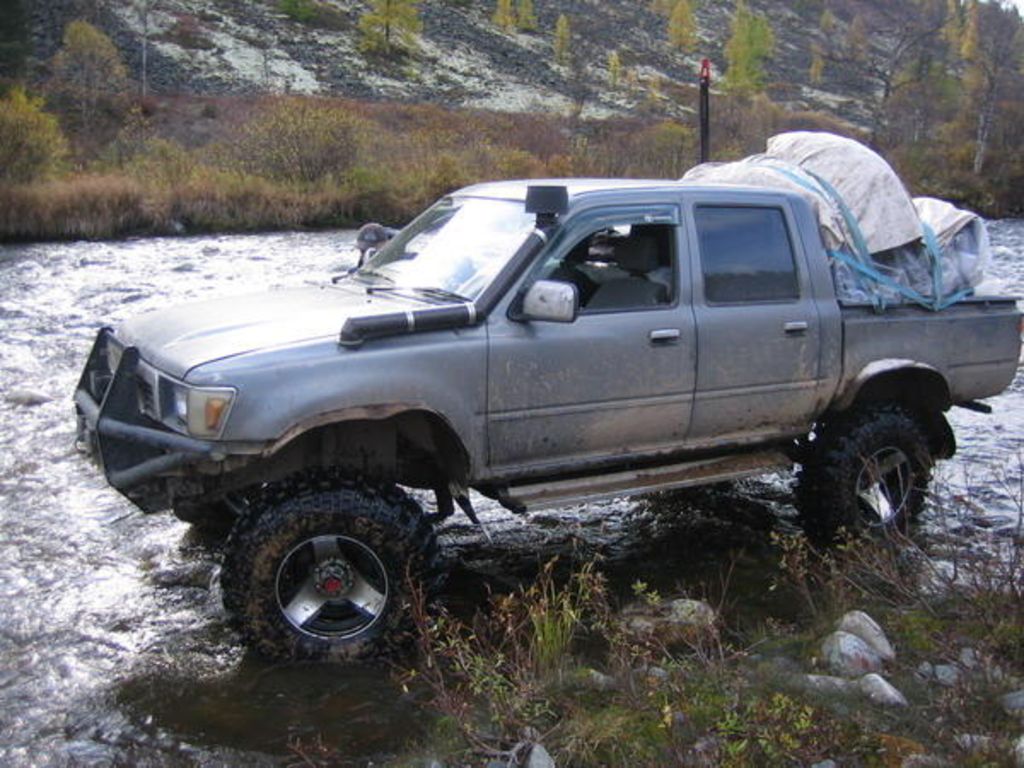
(136, 453)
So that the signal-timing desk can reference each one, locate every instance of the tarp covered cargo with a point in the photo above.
(885, 247)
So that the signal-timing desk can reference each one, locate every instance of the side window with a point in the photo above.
(746, 255)
(630, 266)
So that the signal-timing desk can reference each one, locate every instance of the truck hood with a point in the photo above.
(178, 339)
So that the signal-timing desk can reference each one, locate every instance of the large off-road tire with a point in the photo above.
(868, 470)
(324, 573)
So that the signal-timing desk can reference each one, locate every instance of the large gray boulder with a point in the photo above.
(863, 626)
(848, 655)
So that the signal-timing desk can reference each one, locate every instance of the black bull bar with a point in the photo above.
(135, 452)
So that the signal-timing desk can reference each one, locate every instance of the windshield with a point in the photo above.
(455, 247)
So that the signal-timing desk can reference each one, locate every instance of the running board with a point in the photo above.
(637, 481)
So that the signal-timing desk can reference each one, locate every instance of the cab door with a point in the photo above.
(758, 329)
(617, 382)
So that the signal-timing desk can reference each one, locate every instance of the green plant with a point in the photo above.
(32, 146)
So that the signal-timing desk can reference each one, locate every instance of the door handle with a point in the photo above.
(795, 327)
(665, 336)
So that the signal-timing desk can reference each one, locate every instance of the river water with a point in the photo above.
(114, 648)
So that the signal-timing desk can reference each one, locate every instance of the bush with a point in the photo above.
(298, 141)
(32, 146)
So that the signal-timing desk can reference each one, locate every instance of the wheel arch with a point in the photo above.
(405, 444)
(918, 387)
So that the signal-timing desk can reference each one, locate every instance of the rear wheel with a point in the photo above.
(868, 470)
(325, 574)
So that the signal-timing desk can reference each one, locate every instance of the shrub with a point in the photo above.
(31, 143)
(299, 141)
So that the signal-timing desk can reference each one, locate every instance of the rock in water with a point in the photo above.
(27, 397)
(880, 691)
(850, 656)
(863, 626)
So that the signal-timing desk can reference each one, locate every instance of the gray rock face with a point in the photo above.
(1013, 703)
(881, 691)
(848, 655)
(539, 758)
(863, 626)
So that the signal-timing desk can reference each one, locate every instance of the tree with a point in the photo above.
(390, 25)
(31, 143)
(563, 39)
(504, 16)
(751, 42)
(992, 49)
(682, 26)
(857, 39)
(614, 69)
(526, 17)
(88, 70)
(817, 68)
(14, 38)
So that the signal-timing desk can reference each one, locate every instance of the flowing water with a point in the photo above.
(114, 648)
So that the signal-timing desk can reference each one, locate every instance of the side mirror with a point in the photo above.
(550, 301)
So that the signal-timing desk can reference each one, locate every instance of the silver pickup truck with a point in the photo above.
(540, 344)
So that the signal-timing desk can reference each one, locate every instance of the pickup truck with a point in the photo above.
(539, 343)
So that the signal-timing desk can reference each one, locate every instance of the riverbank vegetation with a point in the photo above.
(80, 159)
(670, 680)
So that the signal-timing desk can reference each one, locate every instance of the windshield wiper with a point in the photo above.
(427, 290)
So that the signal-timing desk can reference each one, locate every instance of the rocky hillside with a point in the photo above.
(464, 59)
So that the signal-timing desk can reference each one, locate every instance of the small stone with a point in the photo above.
(969, 658)
(925, 671)
(863, 626)
(598, 681)
(826, 764)
(1018, 752)
(880, 691)
(972, 742)
(848, 655)
(694, 613)
(657, 673)
(27, 398)
(539, 758)
(1013, 703)
(947, 675)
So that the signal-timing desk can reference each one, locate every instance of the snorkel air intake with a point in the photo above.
(547, 202)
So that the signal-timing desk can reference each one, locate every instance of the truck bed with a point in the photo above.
(975, 344)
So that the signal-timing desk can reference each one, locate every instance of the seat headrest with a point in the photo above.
(637, 254)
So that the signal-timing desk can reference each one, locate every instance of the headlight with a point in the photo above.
(203, 411)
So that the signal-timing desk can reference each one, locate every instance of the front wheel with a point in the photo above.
(867, 471)
(325, 574)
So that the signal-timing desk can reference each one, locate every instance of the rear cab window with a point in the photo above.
(746, 254)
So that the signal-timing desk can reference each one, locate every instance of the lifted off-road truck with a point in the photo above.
(541, 345)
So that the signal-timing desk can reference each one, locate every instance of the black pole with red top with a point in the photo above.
(705, 114)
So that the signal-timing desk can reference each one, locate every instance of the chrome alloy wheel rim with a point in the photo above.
(332, 587)
(884, 485)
